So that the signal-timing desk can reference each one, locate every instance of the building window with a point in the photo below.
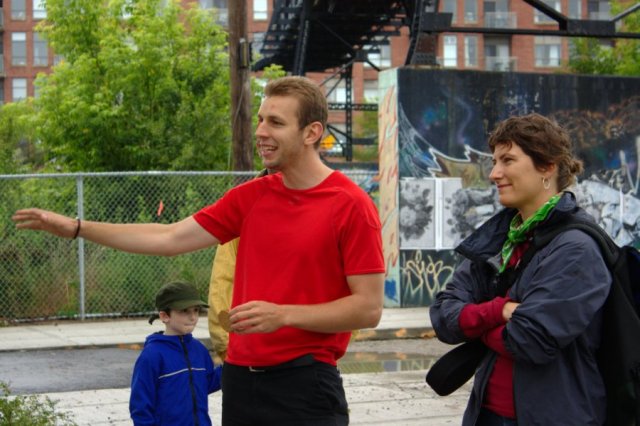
(547, 53)
(18, 10)
(220, 8)
(450, 51)
(575, 9)
(497, 14)
(379, 55)
(450, 6)
(599, 10)
(471, 51)
(19, 49)
(370, 94)
(19, 88)
(40, 51)
(470, 11)
(39, 11)
(256, 44)
(497, 53)
(260, 10)
(541, 18)
(339, 92)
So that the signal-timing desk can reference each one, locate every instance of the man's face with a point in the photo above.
(279, 139)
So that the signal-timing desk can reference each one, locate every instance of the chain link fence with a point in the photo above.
(45, 277)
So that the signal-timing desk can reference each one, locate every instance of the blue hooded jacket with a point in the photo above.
(172, 379)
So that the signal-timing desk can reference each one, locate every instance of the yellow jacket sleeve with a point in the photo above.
(220, 293)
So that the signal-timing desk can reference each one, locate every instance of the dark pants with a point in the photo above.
(309, 393)
(489, 418)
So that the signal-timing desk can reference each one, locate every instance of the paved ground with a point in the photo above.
(397, 395)
(395, 323)
(393, 399)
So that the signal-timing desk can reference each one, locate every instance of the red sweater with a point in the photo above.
(484, 320)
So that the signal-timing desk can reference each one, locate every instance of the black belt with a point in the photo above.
(302, 361)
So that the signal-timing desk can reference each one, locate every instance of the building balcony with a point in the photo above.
(500, 20)
(444, 62)
(500, 63)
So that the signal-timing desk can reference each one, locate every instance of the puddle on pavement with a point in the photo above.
(376, 362)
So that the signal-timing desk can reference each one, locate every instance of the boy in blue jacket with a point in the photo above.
(174, 374)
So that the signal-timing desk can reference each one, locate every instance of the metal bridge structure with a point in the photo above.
(329, 36)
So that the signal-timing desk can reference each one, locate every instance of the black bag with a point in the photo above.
(456, 367)
(619, 353)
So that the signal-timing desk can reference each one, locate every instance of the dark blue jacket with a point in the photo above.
(172, 379)
(554, 333)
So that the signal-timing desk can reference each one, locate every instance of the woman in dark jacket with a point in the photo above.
(543, 334)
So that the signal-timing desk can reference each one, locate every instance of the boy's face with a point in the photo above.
(180, 321)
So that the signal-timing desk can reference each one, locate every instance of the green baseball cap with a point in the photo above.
(178, 295)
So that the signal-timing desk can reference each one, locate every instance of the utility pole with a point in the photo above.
(239, 61)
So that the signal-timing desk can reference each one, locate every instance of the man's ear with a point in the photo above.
(313, 132)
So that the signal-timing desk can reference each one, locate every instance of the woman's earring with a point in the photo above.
(546, 183)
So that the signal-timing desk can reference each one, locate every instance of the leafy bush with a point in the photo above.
(30, 410)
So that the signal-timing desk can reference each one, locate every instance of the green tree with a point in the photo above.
(366, 126)
(143, 85)
(589, 56)
(20, 149)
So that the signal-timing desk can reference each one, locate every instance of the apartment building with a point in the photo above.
(520, 53)
(24, 51)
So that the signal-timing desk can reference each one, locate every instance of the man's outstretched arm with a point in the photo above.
(143, 238)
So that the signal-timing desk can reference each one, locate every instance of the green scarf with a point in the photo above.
(518, 230)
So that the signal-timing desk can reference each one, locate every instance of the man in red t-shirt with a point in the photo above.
(309, 267)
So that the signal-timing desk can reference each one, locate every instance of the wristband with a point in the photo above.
(75, 235)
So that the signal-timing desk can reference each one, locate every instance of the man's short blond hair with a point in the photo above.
(312, 102)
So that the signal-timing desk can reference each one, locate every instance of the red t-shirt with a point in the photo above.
(296, 247)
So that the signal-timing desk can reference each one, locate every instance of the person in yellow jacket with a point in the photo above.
(221, 291)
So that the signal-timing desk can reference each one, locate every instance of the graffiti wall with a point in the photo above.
(424, 273)
(441, 121)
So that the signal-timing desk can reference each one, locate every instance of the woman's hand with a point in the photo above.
(507, 310)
